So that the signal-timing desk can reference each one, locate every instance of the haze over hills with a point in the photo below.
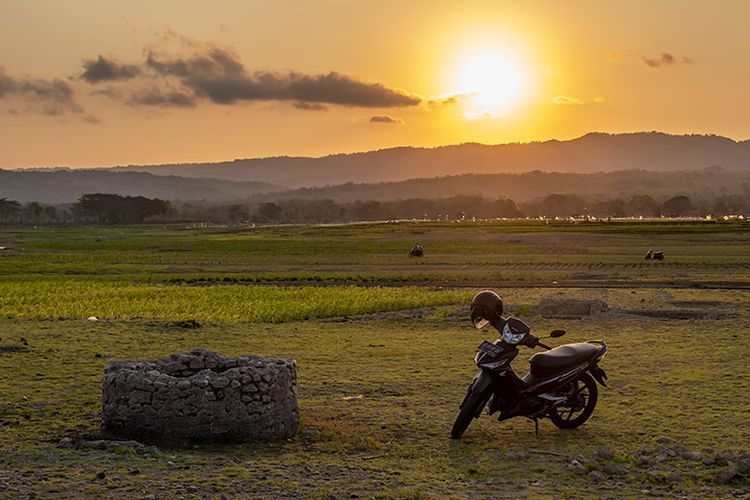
(708, 182)
(594, 152)
(66, 186)
(595, 165)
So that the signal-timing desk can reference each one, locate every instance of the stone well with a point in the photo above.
(201, 395)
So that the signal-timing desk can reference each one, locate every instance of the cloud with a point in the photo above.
(195, 73)
(214, 62)
(156, 97)
(50, 97)
(664, 59)
(219, 76)
(564, 100)
(309, 106)
(103, 69)
(387, 120)
(111, 92)
(445, 99)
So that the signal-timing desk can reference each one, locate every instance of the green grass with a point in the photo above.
(479, 252)
(377, 395)
(221, 304)
(377, 400)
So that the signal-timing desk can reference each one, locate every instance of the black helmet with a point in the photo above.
(486, 307)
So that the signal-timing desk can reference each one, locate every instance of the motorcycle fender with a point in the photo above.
(599, 375)
(480, 384)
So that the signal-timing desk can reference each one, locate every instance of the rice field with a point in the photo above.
(65, 300)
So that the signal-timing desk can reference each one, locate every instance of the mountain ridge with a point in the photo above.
(521, 187)
(67, 185)
(592, 152)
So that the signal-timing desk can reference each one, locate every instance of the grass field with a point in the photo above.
(378, 390)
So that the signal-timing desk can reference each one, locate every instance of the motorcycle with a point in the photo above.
(561, 383)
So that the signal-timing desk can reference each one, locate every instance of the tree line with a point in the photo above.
(97, 208)
(101, 208)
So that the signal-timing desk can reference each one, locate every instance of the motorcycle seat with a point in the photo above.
(559, 359)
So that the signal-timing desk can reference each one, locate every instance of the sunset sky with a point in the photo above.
(96, 83)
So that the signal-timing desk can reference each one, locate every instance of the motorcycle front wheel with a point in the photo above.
(582, 395)
(470, 410)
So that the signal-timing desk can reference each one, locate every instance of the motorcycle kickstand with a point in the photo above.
(536, 425)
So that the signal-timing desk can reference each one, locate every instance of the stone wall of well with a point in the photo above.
(201, 395)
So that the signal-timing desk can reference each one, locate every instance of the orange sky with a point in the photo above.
(183, 81)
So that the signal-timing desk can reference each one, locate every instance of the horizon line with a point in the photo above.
(329, 155)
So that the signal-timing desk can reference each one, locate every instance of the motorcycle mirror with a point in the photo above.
(557, 333)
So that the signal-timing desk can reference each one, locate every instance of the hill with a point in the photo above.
(705, 183)
(65, 186)
(594, 152)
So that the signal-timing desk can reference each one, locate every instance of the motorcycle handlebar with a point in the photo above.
(541, 344)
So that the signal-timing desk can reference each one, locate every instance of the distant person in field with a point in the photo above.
(416, 251)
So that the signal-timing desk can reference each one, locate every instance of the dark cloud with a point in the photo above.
(665, 59)
(219, 76)
(51, 97)
(160, 98)
(199, 73)
(386, 119)
(105, 70)
(215, 62)
(310, 106)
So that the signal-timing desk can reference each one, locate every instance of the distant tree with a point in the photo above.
(8, 209)
(561, 205)
(644, 205)
(366, 210)
(268, 212)
(237, 213)
(677, 206)
(609, 208)
(50, 214)
(32, 212)
(730, 205)
(115, 209)
(504, 208)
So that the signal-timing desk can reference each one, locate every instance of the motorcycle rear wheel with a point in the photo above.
(574, 412)
(471, 407)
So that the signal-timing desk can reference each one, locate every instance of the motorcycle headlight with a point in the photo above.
(511, 337)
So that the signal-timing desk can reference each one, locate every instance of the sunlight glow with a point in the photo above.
(492, 82)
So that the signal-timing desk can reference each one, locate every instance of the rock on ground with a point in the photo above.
(561, 308)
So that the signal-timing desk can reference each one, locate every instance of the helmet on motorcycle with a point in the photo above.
(486, 308)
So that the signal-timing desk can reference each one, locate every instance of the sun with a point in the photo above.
(492, 82)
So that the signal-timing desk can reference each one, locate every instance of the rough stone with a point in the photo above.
(727, 475)
(201, 395)
(596, 475)
(561, 308)
(577, 467)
